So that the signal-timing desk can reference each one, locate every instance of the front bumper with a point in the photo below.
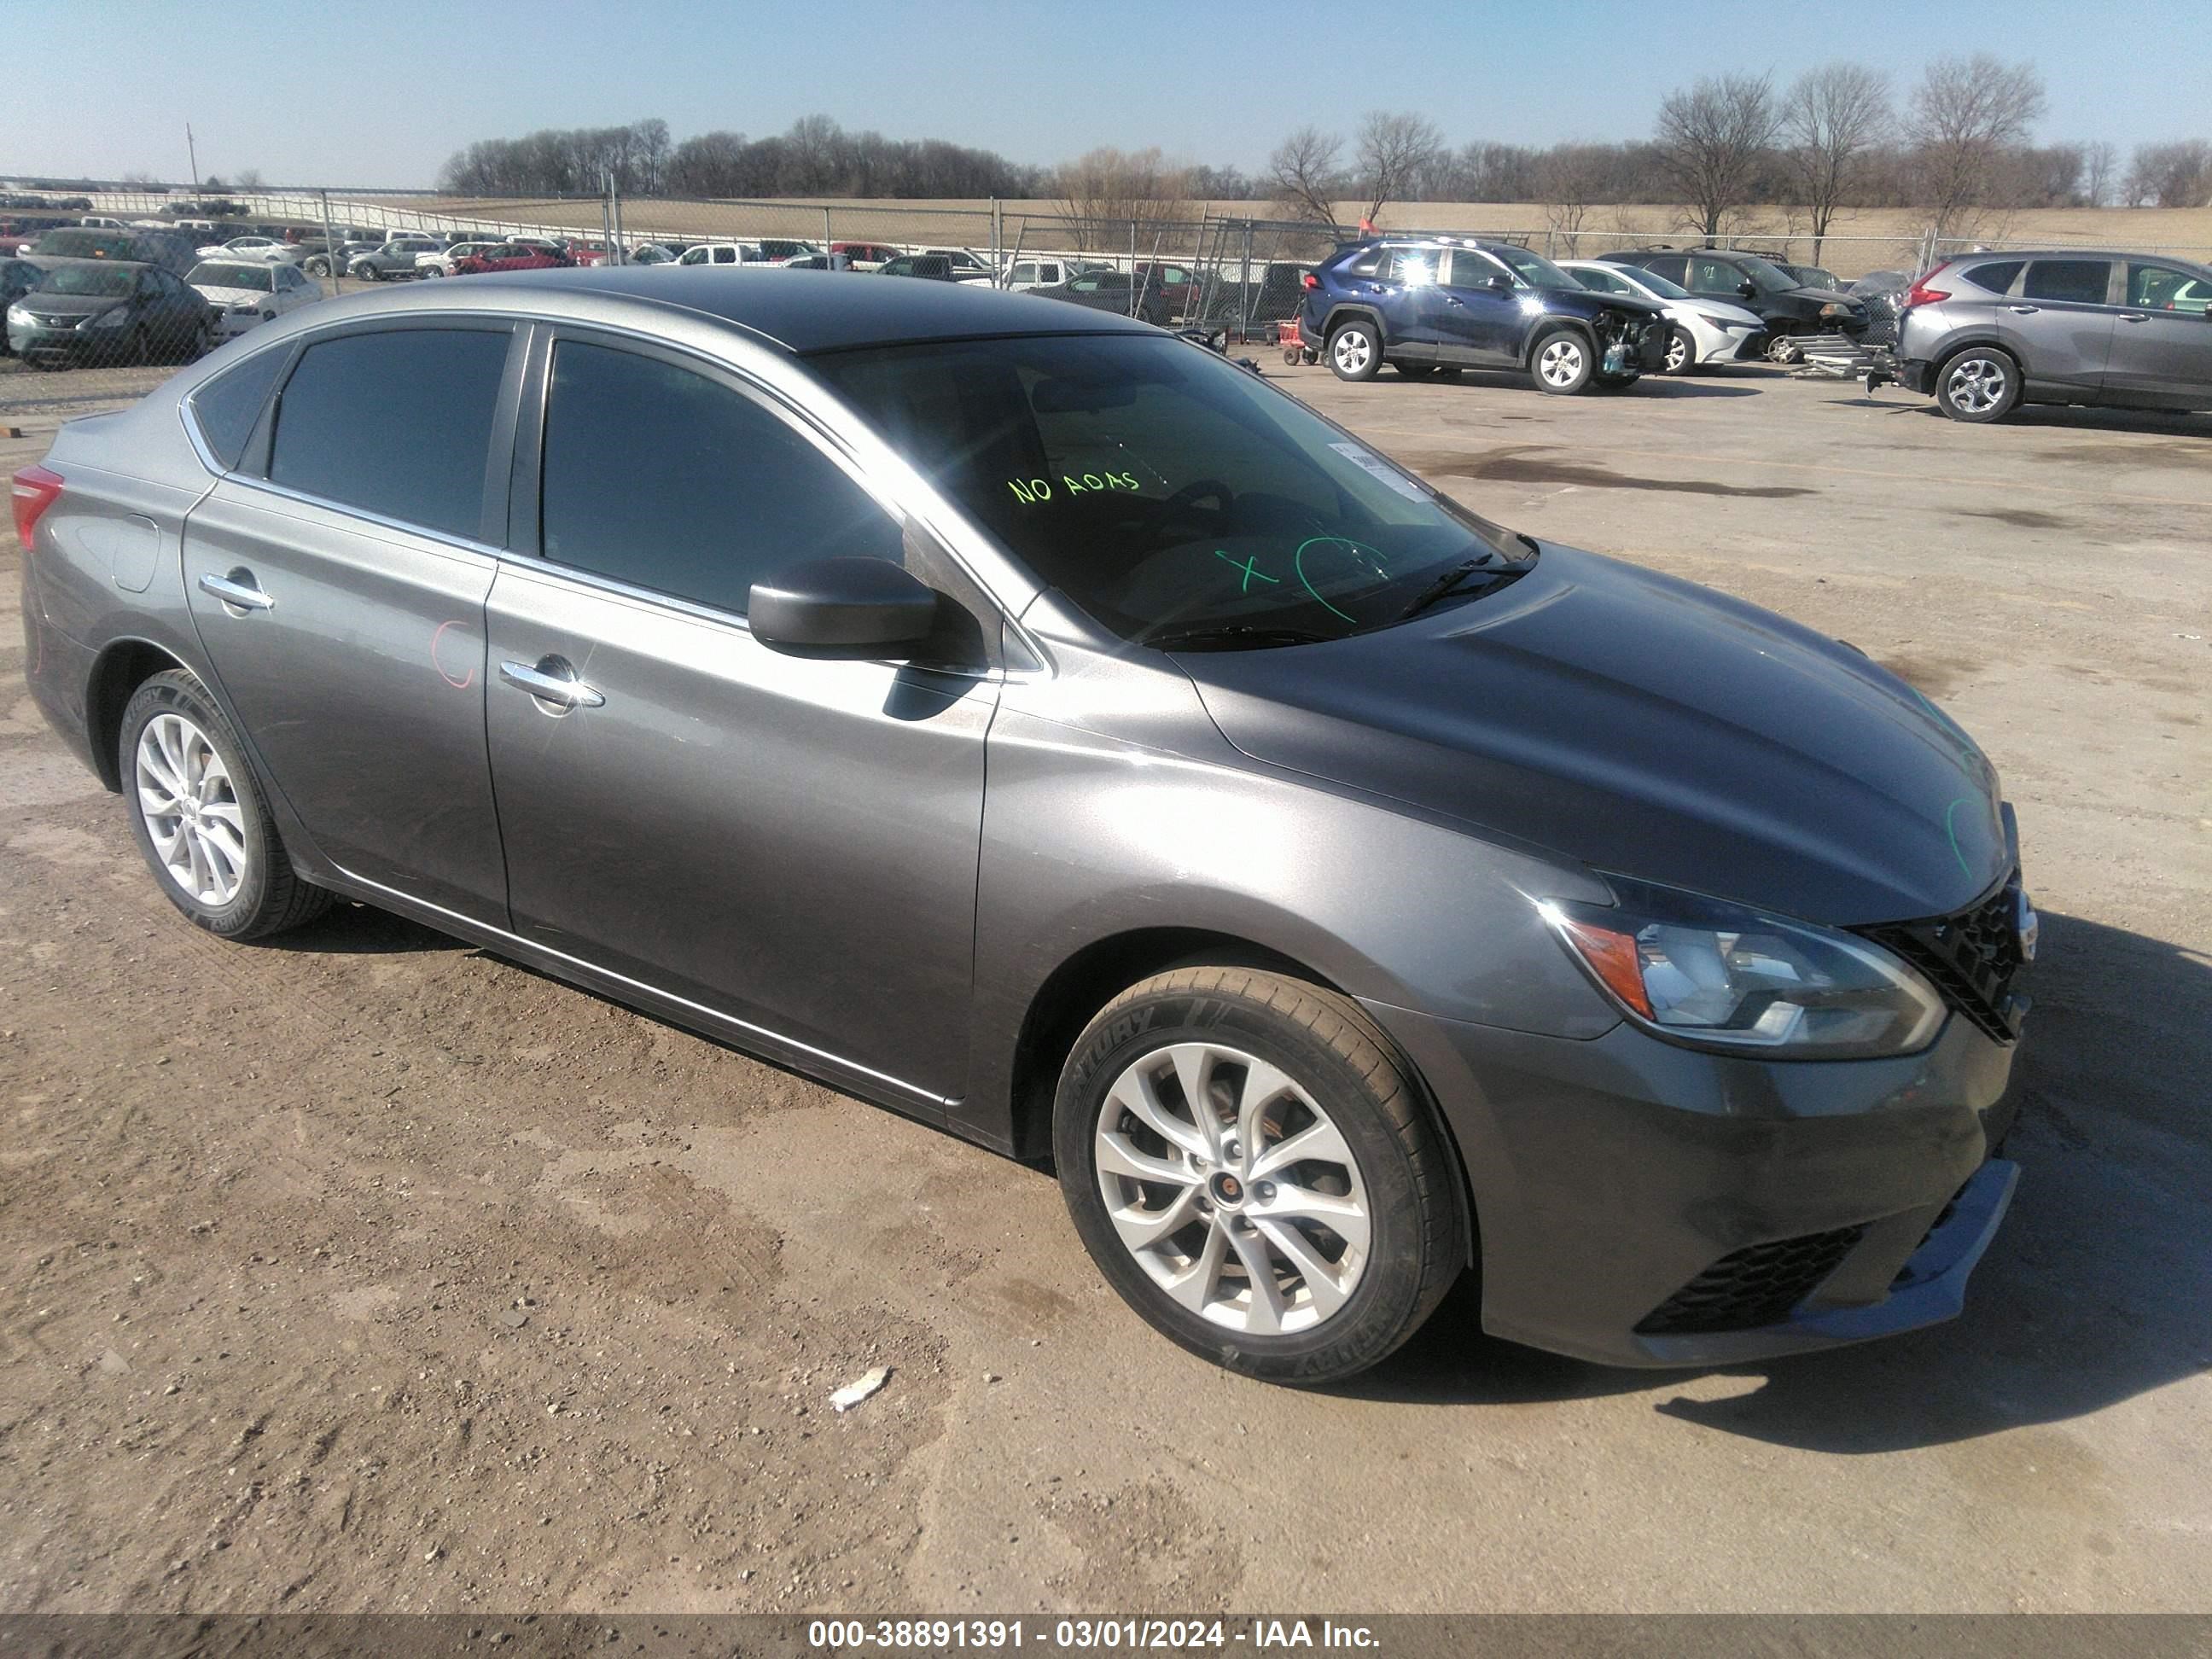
(1642, 1204)
(36, 343)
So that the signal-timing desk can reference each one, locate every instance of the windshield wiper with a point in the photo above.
(1232, 636)
(1443, 586)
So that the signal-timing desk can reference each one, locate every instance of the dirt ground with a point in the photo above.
(364, 1271)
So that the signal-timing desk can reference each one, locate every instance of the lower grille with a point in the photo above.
(1760, 1284)
(1971, 957)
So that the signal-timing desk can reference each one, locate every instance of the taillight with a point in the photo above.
(1920, 294)
(1309, 281)
(36, 490)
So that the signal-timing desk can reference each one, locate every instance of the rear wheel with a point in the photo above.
(199, 816)
(1784, 348)
(1249, 1163)
(1355, 350)
(1561, 363)
(1977, 386)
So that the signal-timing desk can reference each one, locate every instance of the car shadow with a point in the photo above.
(2097, 1289)
(2152, 422)
(1673, 386)
(350, 929)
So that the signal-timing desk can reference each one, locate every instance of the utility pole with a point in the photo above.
(192, 152)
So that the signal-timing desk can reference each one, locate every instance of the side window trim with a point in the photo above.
(526, 530)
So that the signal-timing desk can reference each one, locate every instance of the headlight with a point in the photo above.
(17, 315)
(115, 318)
(1715, 974)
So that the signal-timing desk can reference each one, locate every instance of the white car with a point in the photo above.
(1028, 273)
(722, 254)
(244, 294)
(439, 262)
(1706, 330)
(267, 249)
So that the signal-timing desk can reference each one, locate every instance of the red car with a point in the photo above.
(865, 256)
(511, 256)
(1171, 282)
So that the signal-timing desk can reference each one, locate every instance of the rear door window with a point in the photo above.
(2079, 282)
(663, 479)
(2161, 287)
(397, 423)
(226, 408)
(1675, 267)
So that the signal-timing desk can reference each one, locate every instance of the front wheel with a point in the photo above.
(1248, 1161)
(1681, 352)
(1355, 351)
(199, 816)
(1977, 386)
(1562, 363)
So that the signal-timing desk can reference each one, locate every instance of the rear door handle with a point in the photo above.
(237, 589)
(554, 681)
(2024, 311)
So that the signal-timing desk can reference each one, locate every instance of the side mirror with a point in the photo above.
(1748, 289)
(1499, 283)
(845, 608)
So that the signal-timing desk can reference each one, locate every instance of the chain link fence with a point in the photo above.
(114, 288)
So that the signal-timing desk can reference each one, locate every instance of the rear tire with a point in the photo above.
(1561, 363)
(1256, 1276)
(1355, 350)
(199, 815)
(1977, 386)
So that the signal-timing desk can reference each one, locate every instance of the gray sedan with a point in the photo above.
(1034, 724)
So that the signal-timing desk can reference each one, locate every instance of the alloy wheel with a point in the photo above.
(1560, 363)
(1231, 1189)
(1976, 385)
(1352, 350)
(1678, 353)
(191, 810)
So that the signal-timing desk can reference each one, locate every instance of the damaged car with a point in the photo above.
(1434, 305)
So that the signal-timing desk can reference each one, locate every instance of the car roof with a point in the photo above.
(800, 311)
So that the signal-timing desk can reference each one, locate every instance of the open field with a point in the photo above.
(363, 1270)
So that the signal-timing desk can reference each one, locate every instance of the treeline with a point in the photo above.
(816, 157)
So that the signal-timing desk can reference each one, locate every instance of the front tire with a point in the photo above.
(1250, 1165)
(1681, 352)
(1561, 363)
(1355, 350)
(199, 815)
(1977, 386)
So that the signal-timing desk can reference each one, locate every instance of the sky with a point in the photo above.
(380, 92)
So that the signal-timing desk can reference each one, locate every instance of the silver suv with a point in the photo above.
(1986, 331)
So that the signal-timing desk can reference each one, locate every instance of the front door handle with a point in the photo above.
(2024, 311)
(2135, 316)
(237, 589)
(553, 681)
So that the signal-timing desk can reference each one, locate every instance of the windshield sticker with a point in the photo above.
(1376, 467)
(1030, 491)
(1250, 567)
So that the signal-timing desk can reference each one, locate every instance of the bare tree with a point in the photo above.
(1711, 141)
(1393, 151)
(1113, 186)
(1569, 179)
(2101, 171)
(2171, 175)
(1833, 117)
(1305, 174)
(1966, 113)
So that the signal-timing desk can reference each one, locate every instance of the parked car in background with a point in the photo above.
(1442, 303)
(934, 266)
(1985, 333)
(394, 261)
(267, 248)
(102, 221)
(1788, 307)
(1700, 332)
(1173, 283)
(1811, 275)
(511, 256)
(1027, 273)
(722, 254)
(439, 262)
(109, 311)
(1112, 291)
(865, 256)
(815, 262)
(1098, 754)
(173, 252)
(246, 293)
(316, 259)
(965, 264)
(17, 279)
(774, 250)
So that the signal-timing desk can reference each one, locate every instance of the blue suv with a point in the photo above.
(1427, 305)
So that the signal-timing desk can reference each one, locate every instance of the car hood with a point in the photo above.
(1588, 302)
(230, 296)
(1643, 726)
(1825, 296)
(71, 305)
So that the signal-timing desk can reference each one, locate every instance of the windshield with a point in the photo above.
(1165, 491)
(100, 281)
(81, 245)
(1769, 278)
(1665, 288)
(1533, 269)
(211, 274)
